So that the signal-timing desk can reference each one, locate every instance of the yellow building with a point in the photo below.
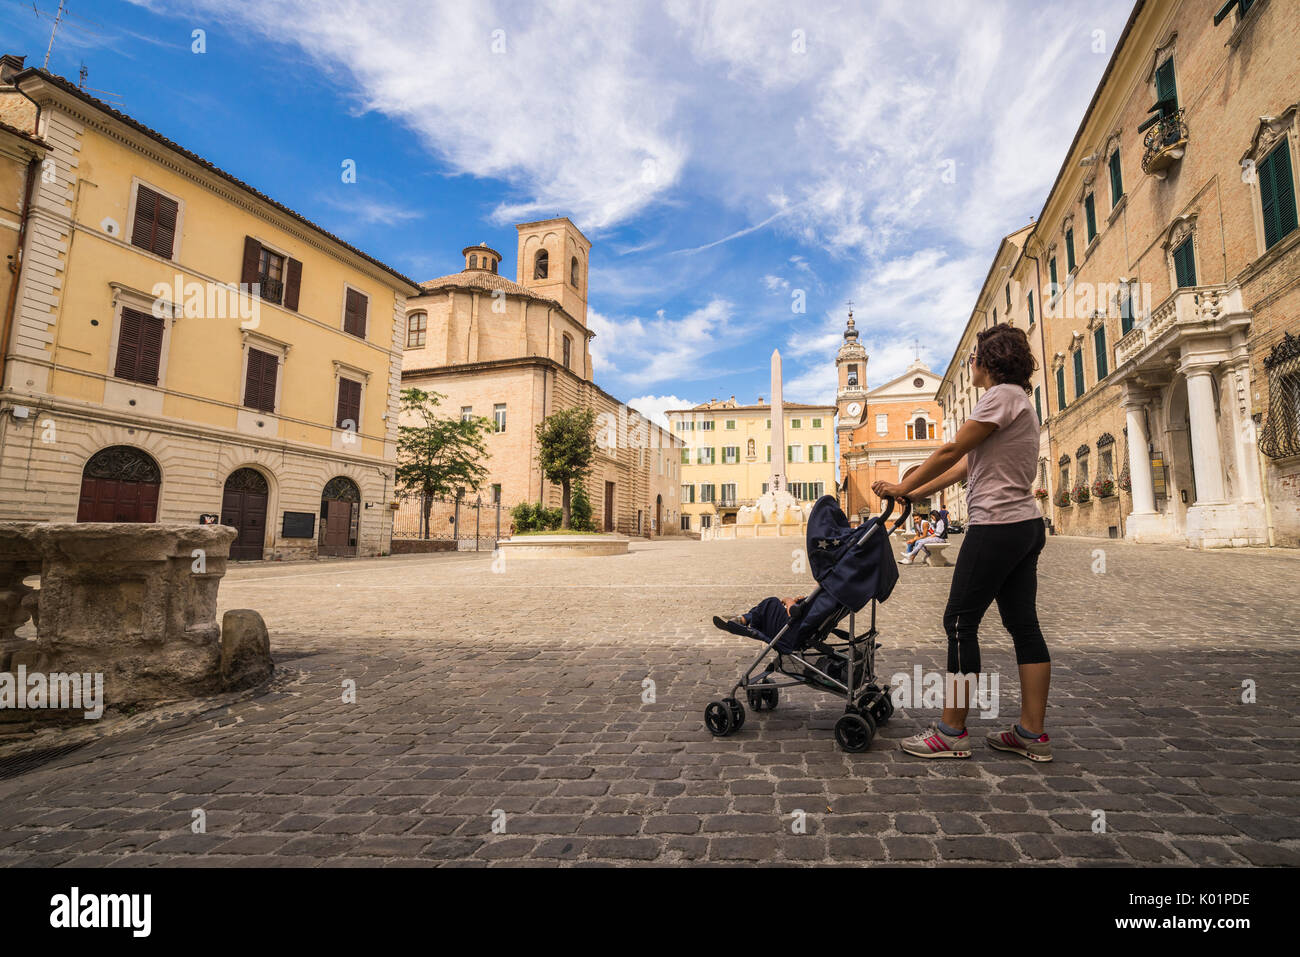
(727, 460)
(183, 348)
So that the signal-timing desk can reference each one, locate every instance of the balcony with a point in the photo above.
(1165, 143)
(1197, 311)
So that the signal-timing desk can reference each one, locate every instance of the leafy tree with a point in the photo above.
(581, 508)
(438, 456)
(567, 441)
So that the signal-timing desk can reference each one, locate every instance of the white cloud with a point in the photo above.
(641, 352)
(653, 407)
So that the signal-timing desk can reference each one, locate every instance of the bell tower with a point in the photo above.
(553, 261)
(851, 393)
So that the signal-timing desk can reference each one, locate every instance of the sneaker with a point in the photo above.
(735, 625)
(904, 561)
(1035, 749)
(933, 743)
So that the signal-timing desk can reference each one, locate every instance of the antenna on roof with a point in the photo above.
(81, 76)
(58, 18)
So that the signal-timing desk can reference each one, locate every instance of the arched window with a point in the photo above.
(922, 432)
(417, 325)
(473, 262)
(575, 273)
(541, 264)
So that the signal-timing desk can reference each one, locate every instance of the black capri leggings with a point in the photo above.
(996, 562)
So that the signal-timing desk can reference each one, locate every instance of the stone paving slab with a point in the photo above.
(515, 698)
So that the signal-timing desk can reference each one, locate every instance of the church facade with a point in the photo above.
(514, 352)
(886, 432)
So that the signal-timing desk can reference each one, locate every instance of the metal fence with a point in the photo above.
(473, 524)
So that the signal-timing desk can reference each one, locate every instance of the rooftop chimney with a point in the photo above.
(9, 65)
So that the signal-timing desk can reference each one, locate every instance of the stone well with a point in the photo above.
(135, 602)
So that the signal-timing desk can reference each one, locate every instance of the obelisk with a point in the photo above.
(776, 483)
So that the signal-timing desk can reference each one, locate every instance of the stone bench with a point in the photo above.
(934, 555)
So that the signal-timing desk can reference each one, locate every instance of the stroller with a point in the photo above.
(852, 566)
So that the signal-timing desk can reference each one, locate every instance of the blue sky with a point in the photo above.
(727, 159)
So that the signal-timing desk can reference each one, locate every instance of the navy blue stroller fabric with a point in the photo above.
(850, 574)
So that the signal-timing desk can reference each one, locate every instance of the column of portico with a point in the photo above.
(1139, 461)
(1203, 425)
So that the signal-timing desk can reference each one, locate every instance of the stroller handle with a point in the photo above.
(889, 510)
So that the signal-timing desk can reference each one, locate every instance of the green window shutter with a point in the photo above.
(1038, 403)
(1185, 265)
(1078, 373)
(1051, 269)
(1116, 179)
(1277, 195)
(1126, 311)
(1031, 307)
(1060, 388)
(1090, 212)
(1166, 87)
(1069, 249)
(1099, 340)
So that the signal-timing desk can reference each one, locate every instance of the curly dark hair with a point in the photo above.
(1004, 351)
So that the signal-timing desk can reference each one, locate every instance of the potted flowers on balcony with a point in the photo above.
(1063, 499)
(1103, 487)
(1040, 493)
(1081, 493)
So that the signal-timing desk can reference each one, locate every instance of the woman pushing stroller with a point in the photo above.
(996, 453)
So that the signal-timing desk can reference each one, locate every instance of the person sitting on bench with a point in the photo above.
(939, 536)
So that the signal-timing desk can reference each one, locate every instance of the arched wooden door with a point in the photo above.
(119, 484)
(340, 516)
(243, 508)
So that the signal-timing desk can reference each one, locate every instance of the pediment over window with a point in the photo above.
(1268, 132)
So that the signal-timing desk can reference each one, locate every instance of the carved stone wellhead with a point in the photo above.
(134, 602)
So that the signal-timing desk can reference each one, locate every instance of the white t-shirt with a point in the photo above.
(1001, 469)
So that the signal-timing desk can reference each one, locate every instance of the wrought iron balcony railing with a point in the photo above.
(1165, 142)
(271, 290)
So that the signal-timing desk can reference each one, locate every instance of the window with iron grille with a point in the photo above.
(1280, 435)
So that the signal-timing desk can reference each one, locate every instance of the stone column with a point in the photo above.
(1204, 428)
(1139, 461)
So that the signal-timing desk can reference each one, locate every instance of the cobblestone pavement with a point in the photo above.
(519, 693)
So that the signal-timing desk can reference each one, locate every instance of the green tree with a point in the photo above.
(438, 456)
(581, 508)
(567, 446)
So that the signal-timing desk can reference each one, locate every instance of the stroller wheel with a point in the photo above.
(717, 718)
(737, 713)
(763, 699)
(853, 732)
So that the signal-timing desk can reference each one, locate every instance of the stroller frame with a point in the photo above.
(867, 704)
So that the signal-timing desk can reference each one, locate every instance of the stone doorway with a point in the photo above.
(340, 515)
(243, 508)
(609, 506)
(119, 484)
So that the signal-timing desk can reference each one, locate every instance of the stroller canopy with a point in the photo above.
(855, 565)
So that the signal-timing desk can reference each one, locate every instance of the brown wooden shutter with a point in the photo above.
(253, 380)
(154, 227)
(146, 210)
(354, 313)
(164, 240)
(260, 380)
(349, 404)
(292, 283)
(139, 347)
(252, 261)
(128, 345)
(151, 336)
(270, 374)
